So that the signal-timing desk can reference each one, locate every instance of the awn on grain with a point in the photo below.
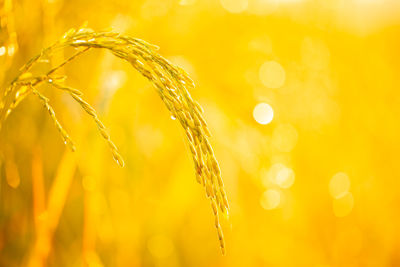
(171, 82)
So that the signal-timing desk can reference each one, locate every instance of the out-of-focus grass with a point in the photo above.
(311, 174)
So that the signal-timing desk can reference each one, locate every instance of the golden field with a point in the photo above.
(301, 99)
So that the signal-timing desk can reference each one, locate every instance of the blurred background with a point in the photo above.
(301, 97)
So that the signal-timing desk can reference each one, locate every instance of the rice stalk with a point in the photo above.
(171, 82)
(48, 220)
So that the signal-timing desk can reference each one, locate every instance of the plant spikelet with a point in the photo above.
(171, 83)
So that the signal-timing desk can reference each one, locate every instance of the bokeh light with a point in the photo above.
(262, 7)
(187, 2)
(235, 6)
(285, 177)
(263, 113)
(2, 50)
(270, 199)
(10, 50)
(278, 174)
(339, 185)
(272, 74)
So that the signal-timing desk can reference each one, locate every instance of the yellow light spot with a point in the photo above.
(272, 74)
(113, 81)
(263, 113)
(10, 50)
(235, 6)
(278, 174)
(262, 7)
(187, 2)
(285, 177)
(339, 185)
(343, 206)
(160, 246)
(270, 199)
(284, 137)
(2, 51)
